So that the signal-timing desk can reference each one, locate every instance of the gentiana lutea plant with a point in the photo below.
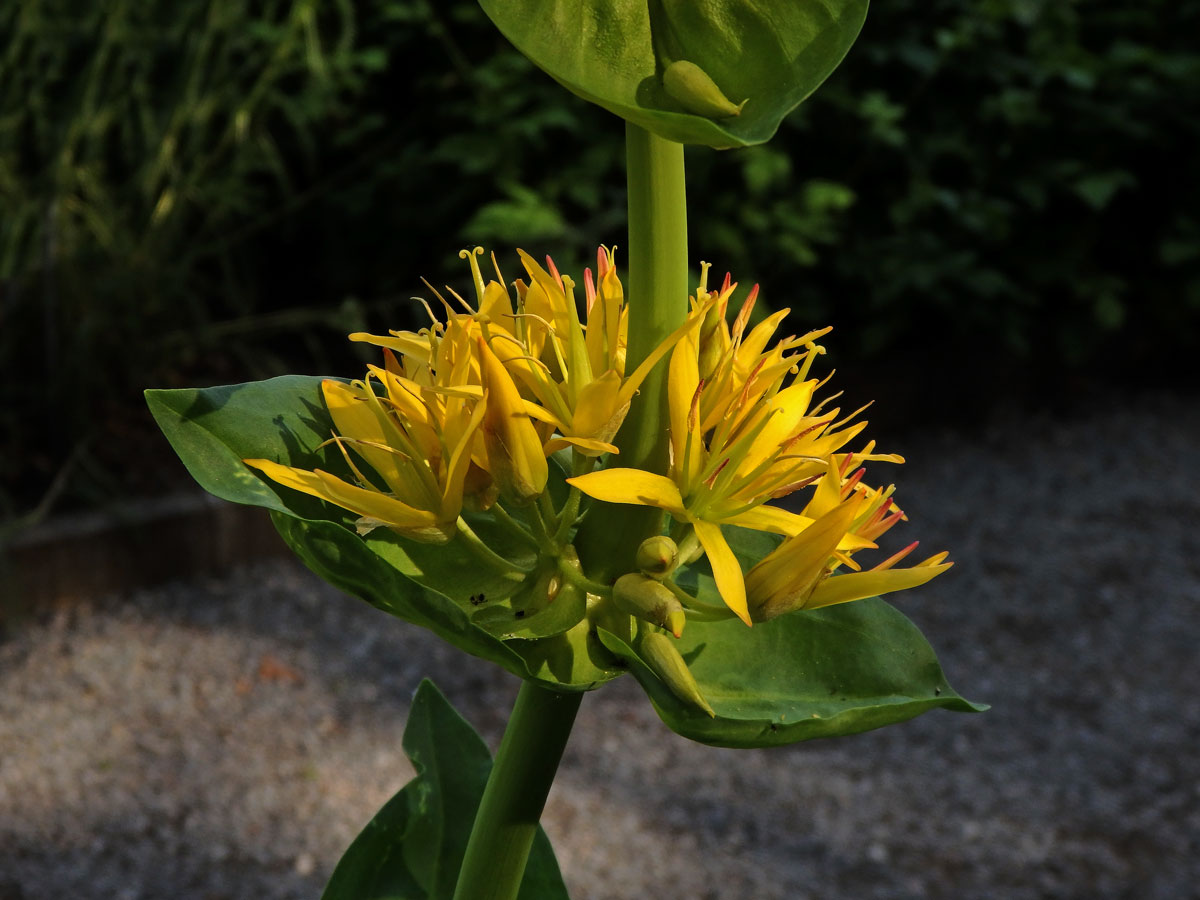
(578, 478)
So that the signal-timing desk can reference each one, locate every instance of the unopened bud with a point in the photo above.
(657, 556)
(649, 600)
(693, 89)
(712, 343)
(661, 655)
(515, 455)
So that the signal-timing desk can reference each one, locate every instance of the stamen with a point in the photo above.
(852, 482)
(428, 309)
(792, 487)
(589, 290)
(694, 410)
(837, 425)
(353, 468)
(895, 557)
(743, 316)
(553, 270)
(436, 293)
(711, 479)
(467, 306)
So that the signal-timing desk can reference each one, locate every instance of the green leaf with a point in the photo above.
(809, 674)
(414, 846)
(769, 53)
(438, 587)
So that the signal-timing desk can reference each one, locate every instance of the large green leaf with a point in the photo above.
(810, 674)
(285, 419)
(770, 53)
(414, 847)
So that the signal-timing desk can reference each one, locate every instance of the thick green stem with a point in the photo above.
(658, 291)
(516, 792)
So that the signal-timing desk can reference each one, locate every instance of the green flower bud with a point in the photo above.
(649, 600)
(661, 655)
(657, 556)
(712, 347)
(692, 88)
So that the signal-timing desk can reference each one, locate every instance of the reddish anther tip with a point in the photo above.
(896, 557)
(589, 289)
(853, 481)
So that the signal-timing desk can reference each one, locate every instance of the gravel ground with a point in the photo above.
(227, 738)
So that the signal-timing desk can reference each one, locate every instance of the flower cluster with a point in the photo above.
(464, 414)
(744, 431)
(470, 407)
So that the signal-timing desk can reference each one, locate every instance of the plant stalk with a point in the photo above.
(658, 292)
(516, 792)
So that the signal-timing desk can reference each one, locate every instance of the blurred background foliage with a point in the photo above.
(991, 200)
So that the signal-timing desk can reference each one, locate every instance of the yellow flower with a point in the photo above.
(796, 575)
(571, 376)
(755, 442)
(420, 453)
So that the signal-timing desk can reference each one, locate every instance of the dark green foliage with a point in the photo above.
(996, 185)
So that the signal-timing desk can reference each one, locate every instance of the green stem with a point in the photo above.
(568, 515)
(516, 792)
(487, 554)
(577, 578)
(504, 517)
(658, 291)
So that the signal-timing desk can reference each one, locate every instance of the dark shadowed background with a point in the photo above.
(990, 201)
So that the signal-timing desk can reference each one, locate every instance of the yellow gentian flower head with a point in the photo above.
(739, 440)
(796, 575)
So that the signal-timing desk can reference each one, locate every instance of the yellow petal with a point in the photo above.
(770, 518)
(683, 380)
(586, 446)
(354, 417)
(599, 410)
(782, 580)
(631, 486)
(785, 412)
(405, 342)
(371, 504)
(460, 460)
(514, 449)
(634, 381)
(727, 571)
(859, 585)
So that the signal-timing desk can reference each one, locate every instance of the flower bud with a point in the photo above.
(514, 449)
(713, 342)
(660, 654)
(657, 556)
(649, 600)
(693, 89)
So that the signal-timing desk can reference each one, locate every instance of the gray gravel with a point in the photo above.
(227, 738)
